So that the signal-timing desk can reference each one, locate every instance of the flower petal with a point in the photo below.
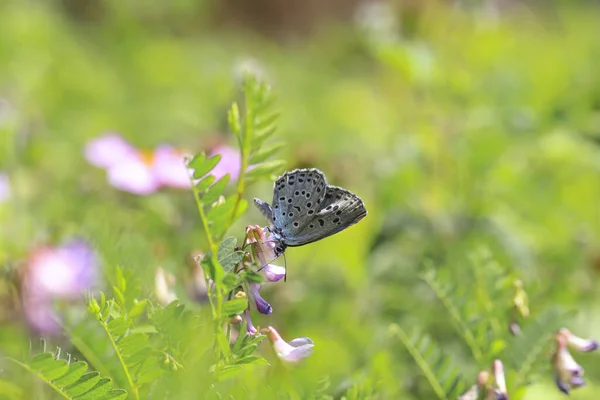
(108, 150)
(169, 167)
(273, 273)
(133, 176)
(262, 306)
(299, 353)
(249, 325)
(298, 342)
(580, 344)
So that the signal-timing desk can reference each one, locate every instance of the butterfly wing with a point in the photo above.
(339, 209)
(297, 197)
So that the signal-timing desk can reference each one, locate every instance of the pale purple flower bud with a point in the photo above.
(580, 344)
(264, 250)
(108, 150)
(567, 373)
(262, 306)
(292, 352)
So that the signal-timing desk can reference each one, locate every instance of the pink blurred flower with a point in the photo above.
(169, 169)
(292, 352)
(144, 172)
(230, 162)
(56, 273)
(109, 150)
(5, 191)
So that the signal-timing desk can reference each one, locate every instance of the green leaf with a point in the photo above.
(216, 190)
(235, 306)
(118, 326)
(115, 394)
(138, 308)
(247, 350)
(197, 161)
(100, 389)
(233, 117)
(228, 372)
(232, 260)
(139, 356)
(41, 360)
(76, 370)
(223, 344)
(150, 376)
(263, 154)
(205, 183)
(133, 343)
(265, 170)
(83, 384)
(57, 369)
(251, 360)
(206, 166)
(261, 136)
(267, 121)
(231, 281)
(214, 269)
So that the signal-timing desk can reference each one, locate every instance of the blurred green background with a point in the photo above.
(462, 125)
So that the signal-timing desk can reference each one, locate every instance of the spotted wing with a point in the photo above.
(297, 198)
(339, 210)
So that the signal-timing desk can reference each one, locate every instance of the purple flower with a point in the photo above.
(261, 305)
(5, 191)
(292, 352)
(250, 329)
(264, 251)
(580, 344)
(56, 273)
(567, 373)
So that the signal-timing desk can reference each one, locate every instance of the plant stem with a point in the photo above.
(46, 381)
(134, 389)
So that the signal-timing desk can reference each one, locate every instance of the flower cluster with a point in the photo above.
(143, 172)
(491, 385)
(55, 273)
(263, 251)
(568, 374)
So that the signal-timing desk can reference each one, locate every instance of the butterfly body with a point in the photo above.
(305, 208)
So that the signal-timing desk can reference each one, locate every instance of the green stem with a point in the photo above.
(461, 327)
(46, 381)
(421, 362)
(134, 389)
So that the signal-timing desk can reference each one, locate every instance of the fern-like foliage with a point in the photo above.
(71, 380)
(253, 124)
(527, 353)
(439, 370)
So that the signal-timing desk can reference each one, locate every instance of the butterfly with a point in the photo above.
(306, 208)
